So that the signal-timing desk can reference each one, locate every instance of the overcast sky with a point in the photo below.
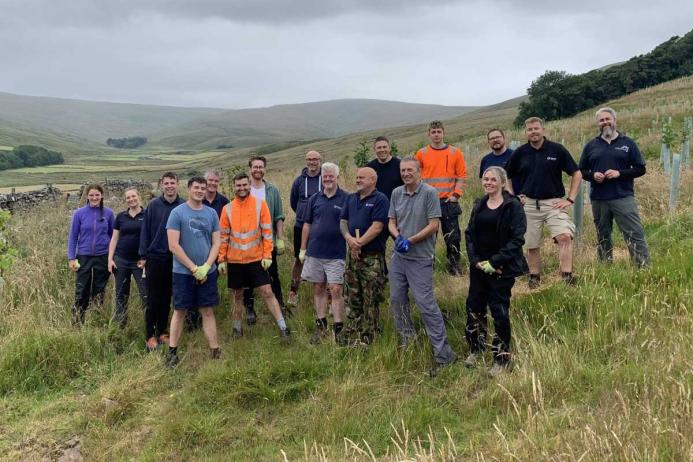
(252, 53)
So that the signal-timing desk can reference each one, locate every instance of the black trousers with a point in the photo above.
(248, 295)
(159, 292)
(90, 283)
(125, 269)
(494, 292)
(450, 226)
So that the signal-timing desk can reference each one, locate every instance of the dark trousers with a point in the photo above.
(494, 291)
(124, 270)
(90, 283)
(159, 292)
(248, 295)
(625, 212)
(450, 226)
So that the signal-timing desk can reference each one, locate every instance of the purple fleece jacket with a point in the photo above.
(90, 232)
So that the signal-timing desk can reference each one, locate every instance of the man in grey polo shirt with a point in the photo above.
(414, 218)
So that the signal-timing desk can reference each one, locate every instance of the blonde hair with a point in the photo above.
(500, 173)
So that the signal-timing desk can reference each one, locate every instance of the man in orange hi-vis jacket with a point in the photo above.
(246, 251)
(443, 167)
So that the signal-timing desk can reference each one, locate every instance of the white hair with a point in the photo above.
(212, 172)
(331, 167)
(605, 109)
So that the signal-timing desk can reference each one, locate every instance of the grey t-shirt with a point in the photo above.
(412, 212)
(196, 228)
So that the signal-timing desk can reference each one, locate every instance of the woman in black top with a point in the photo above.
(494, 237)
(123, 255)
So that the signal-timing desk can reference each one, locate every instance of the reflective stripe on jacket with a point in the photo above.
(246, 231)
(441, 168)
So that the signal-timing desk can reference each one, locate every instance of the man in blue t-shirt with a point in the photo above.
(323, 250)
(610, 162)
(499, 155)
(194, 239)
(362, 222)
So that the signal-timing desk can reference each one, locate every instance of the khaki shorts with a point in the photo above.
(323, 270)
(557, 220)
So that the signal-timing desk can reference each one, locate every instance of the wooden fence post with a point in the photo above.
(579, 212)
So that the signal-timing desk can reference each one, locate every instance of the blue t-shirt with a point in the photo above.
(323, 215)
(492, 160)
(361, 213)
(196, 228)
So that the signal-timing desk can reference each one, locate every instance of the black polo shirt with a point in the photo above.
(389, 176)
(129, 228)
(539, 170)
(217, 204)
(621, 154)
(361, 213)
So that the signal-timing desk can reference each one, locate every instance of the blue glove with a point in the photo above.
(402, 244)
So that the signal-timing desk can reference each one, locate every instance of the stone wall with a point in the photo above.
(24, 200)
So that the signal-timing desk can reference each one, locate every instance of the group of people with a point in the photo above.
(175, 249)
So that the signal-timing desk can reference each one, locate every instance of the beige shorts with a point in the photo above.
(323, 270)
(558, 221)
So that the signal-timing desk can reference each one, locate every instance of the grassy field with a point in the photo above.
(603, 370)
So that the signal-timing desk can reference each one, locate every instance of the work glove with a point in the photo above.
(487, 268)
(302, 256)
(402, 244)
(279, 246)
(221, 267)
(201, 272)
(266, 263)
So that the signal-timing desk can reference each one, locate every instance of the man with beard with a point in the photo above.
(610, 162)
(246, 252)
(362, 222)
(323, 252)
(264, 190)
(538, 165)
(304, 186)
(193, 238)
(157, 260)
(499, 155)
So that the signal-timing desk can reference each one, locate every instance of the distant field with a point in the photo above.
(6, 148)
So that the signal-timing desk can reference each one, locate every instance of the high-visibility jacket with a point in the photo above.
(246, 231)
(441, 168)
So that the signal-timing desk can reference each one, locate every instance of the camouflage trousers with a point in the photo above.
(364, 291)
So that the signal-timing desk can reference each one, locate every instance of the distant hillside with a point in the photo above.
(323, 119)
(196, 128)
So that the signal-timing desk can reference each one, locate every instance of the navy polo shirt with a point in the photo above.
(492, 160)
(539, 170)
(129, 228)
(217, 204)
(389, 176)
(323, 215)
(361, 213)
(621, 154)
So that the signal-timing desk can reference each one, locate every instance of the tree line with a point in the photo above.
(557, 94)
(29, 156)
(127, 143)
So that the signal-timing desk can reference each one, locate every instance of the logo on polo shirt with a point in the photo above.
(369, 205)
(551, 158)
(337, 207)
(623, 148)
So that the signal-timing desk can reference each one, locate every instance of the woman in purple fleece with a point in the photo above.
(87, 250)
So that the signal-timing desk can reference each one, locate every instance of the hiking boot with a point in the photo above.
(340, 339)
(292, 299)
(285, 335)
(171, 360)
(433, 372)
(237, 332)
(569, 279)
(318, 335)
(152, 344)
(534, 281)
(215, 353)
(471, 361)
(250, 315)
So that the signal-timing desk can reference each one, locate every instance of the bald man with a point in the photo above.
(362, 221)
(305, 185)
